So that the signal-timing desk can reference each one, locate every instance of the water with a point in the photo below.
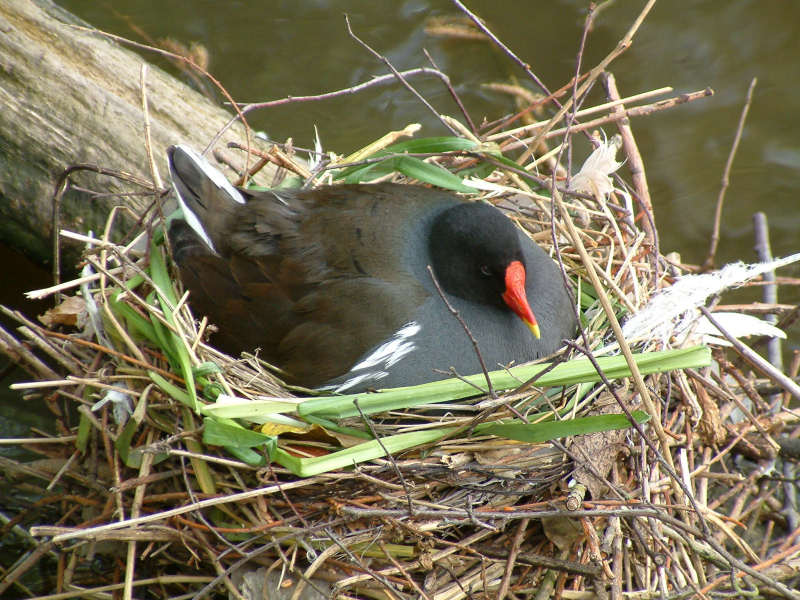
(18, 416)
(269, 50)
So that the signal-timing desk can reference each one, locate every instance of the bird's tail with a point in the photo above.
(206, 197)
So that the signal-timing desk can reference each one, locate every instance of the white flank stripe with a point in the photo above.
(392, 351)
(354, 381)
(384, 357)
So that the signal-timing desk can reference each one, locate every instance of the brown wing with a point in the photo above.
(314, 279)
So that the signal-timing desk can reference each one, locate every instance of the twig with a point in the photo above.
(188, 61)
(453, 94)
(615, 326)
(482, 26)
(511, 559)
(584, 112)
(636, 111)
(157, 184)
(438, 557)
(712, 250)
(138, 497)
(455, 313)
(636, 167)
(769, 293)
(617, 560)
(391, 592)
(275, 156)
(755, 359)
(572, 119)
(23, 357)
(515, 514)
(52, 350)
(112, 352)
(62, 185)
(621, 47)
(25, 563)
(91, 532)
(790, 503)
(44, 292)
(474, 519)
(398, 75)
(389, 456)
(549, 562)
(413, 584)
(360, 87)
(64, 439)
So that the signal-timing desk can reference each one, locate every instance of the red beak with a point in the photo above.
(516, 298)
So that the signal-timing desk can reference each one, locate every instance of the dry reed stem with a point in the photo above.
(593, 74)
(726, 173)
(613, 104)
(634, 160)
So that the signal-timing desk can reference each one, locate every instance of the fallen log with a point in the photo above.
(70, 95)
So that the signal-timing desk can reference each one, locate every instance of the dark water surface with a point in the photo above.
(17, 415)
(268, 50)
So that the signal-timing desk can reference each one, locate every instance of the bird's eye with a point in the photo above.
(486, 271)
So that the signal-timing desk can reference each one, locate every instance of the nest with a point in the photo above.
(489, 493)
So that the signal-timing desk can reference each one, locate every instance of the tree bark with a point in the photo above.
(70, 95)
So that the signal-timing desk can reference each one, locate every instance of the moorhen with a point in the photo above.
(332, 283)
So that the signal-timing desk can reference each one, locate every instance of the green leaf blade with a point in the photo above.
(550, 430)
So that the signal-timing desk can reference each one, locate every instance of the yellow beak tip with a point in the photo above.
(534, 327)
